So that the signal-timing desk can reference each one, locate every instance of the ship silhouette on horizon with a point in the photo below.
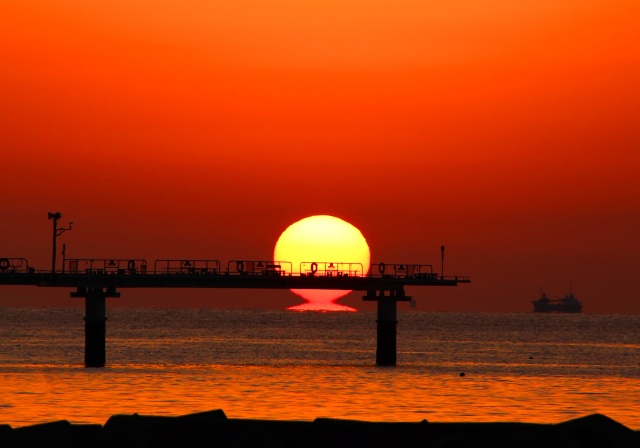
(567, 304)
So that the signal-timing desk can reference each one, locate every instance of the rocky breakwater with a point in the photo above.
(214, 429)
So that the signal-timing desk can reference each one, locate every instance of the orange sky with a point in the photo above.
(509, 131)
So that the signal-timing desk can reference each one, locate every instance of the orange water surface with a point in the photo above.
(299, 366)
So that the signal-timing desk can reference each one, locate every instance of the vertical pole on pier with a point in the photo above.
(95, 324)
(64, 256)
(387, 322)
(55, 216)
(56, 233)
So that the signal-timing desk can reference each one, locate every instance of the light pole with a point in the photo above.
(56, 233)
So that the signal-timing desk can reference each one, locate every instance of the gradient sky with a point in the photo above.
(508, 131)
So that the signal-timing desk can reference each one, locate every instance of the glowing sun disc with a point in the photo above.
(322, 239)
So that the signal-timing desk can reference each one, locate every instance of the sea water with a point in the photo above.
(278, 365)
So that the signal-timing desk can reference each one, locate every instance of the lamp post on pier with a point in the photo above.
(57, 231)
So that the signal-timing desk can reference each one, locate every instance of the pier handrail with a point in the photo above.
(402, 270)
(331, 269)
(12, 265)
(259, 267)
(84, 267)
(115, 266)
(187, 267)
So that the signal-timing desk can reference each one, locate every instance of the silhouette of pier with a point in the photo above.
(96, 279)
(134, 273)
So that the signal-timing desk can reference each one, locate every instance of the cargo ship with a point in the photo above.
(567, 304)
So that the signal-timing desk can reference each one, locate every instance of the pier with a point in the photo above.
(96, 280)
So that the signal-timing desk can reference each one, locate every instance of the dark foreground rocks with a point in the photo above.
(213, 429)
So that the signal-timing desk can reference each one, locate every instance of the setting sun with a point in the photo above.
(323, 244)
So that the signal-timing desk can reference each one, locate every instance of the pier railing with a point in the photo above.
(259, 267)
(13, 265)
(105, 266)
(331, 269)
(246, 268)
(187, 267)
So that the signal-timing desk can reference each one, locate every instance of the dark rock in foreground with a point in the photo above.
(214, 429)
(53, 434)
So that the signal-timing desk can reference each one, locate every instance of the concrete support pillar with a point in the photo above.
(95, 329)
(95, 324)
(387, 322)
